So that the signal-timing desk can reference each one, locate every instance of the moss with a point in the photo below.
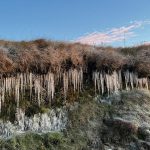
(44, 110)
(54, 139)
(49, 141)
(85, 121)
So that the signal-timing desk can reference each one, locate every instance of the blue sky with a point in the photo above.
(71, 19)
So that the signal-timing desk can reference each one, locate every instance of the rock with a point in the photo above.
(118, 131)
(144, 133)
(132, 146)
(143, 145)
(122, 125)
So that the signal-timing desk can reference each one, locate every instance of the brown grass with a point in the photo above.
(40, 56)
(6, 64)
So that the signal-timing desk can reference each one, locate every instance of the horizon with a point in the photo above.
(104, 23)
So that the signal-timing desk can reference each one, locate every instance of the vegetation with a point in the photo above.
(49, 74)
(80, 132)
(39, 75)
(40, 56)
(92, 125)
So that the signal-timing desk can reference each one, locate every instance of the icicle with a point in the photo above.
(143, 83)
(135, 80)
(3, 95)
(146, 83)
(120, 79)
(65, 82)
(126, 74)
(102, 83)
(76, 78)
(112, 82)
(51, 85)
(48, 86)
(21, 83)
(116, 82)
(81, 79)
(17, 92)
(9, 86)
(25, 80)
(131, 80)
(30, 76)
(107, 82)
(37, 90)
(98, 82)
(78, 81)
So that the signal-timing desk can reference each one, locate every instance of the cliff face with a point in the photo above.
(41, 81)
(120, 121)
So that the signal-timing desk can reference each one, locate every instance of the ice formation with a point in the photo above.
(117, 80)
(54, 120)
(45, 85)
(39, 84)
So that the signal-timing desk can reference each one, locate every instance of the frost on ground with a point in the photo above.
(54, 120)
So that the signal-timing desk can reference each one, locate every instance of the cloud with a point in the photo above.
(112, 35)
(147, 43)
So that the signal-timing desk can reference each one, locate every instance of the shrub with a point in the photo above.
(40, 56)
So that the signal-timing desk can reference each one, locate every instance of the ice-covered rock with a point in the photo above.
(54, 120)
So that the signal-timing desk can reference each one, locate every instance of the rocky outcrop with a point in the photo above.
(128, 123)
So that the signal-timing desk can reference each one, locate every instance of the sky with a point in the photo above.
(107, 22)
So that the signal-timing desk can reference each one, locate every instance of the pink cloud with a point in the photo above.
(147, 43)
(113, 35)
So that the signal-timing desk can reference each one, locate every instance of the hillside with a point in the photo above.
(57, 95)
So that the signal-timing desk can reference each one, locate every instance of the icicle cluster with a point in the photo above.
(65, 81)
(39, 84)
(106, 82)
(73, 77)
(50, 85)
(109, 83)
(132, 81)
(18, 85)
(76, 77)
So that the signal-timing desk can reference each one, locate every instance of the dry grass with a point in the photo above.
(6, 64)
(40, 56)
